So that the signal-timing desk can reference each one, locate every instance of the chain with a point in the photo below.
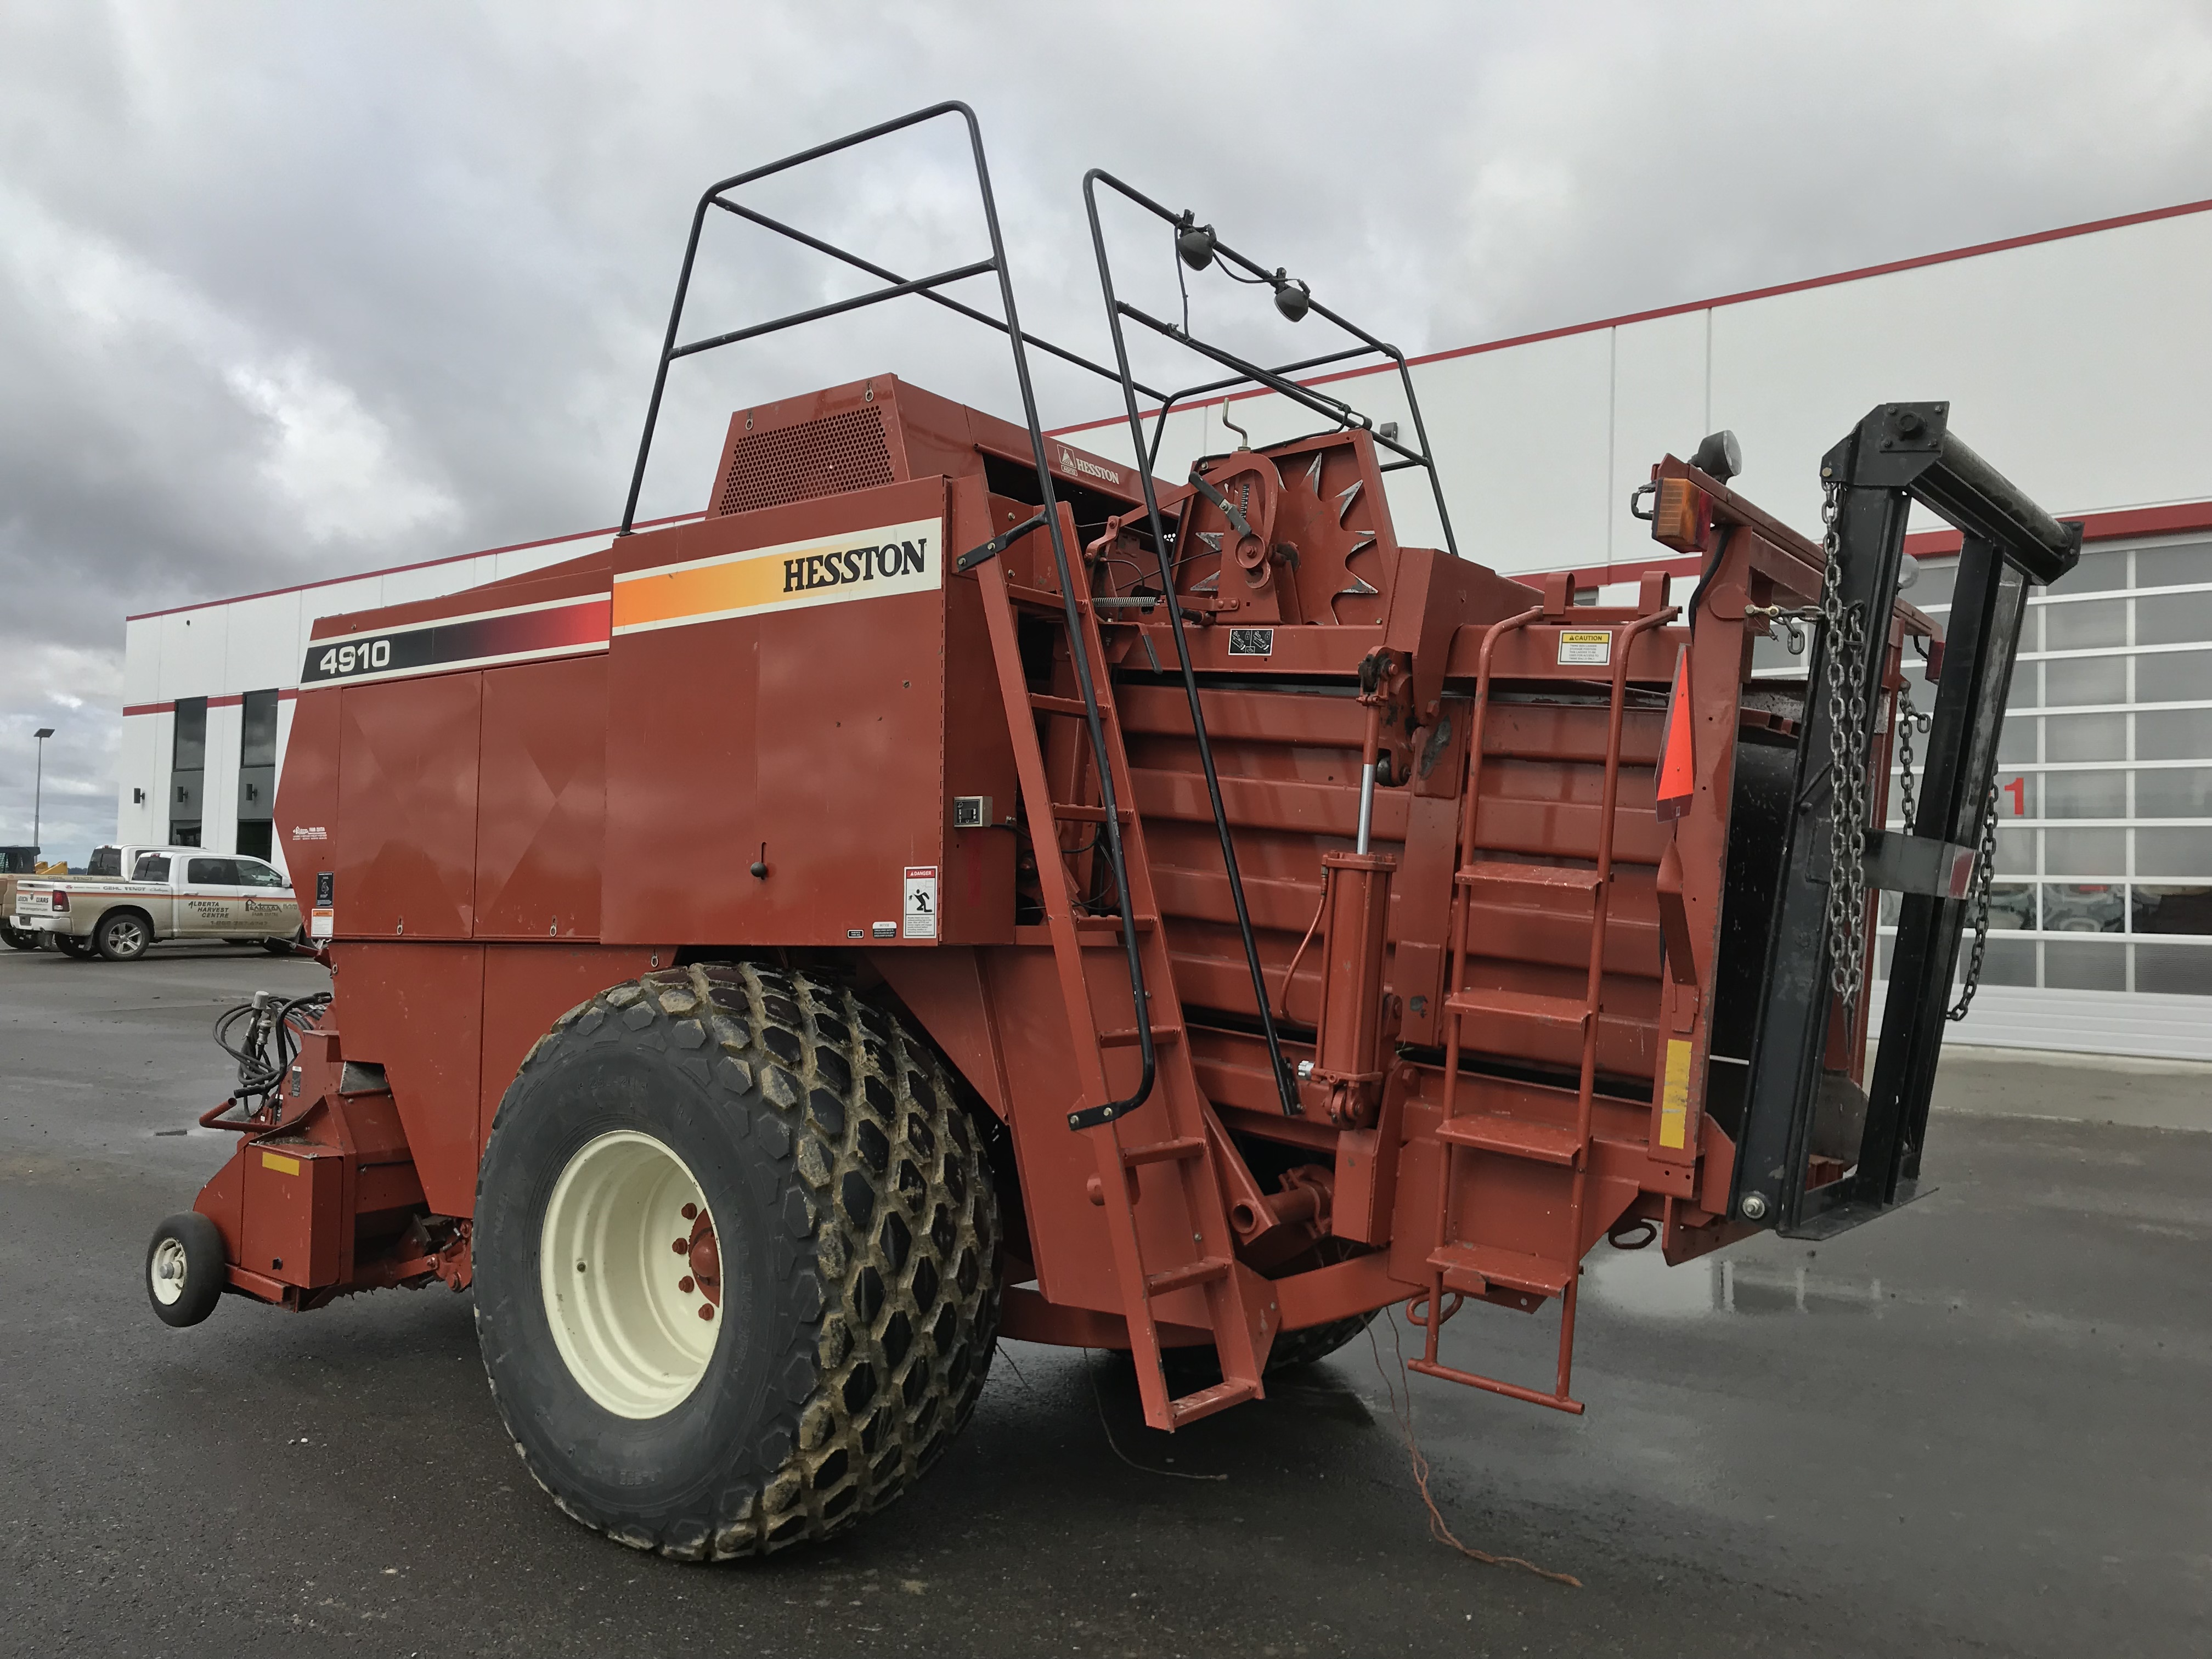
(1846, 675)
(1985, 870)
(1792, 622)
(1909, 719)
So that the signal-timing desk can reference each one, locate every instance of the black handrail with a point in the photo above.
(896, 286)
(1116, 311)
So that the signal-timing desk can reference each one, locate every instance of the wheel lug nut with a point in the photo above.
(682, 1247)
(706, 1310)
(690, 1211)
(684, 1284)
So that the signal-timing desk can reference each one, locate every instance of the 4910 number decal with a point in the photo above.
(365, 656)
(482, 639)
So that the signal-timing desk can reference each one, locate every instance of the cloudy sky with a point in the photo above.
(289, 291)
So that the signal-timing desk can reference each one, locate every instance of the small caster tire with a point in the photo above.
(185, 1269)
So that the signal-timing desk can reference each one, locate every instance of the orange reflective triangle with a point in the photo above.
(1678, 782)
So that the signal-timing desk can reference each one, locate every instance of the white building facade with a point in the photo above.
(2073, 361)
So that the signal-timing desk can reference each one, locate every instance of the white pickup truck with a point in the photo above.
(171, 892)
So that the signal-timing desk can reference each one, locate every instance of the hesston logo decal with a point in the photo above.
(861, 564)
(904, 558)
(855, 564)
(1084, 467)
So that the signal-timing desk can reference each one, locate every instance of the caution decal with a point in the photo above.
(1587, 647)
(865, 564)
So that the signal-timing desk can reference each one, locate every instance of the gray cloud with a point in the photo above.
(289, 291)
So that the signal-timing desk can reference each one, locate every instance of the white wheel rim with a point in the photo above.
(624, 1304)
(166, 1272)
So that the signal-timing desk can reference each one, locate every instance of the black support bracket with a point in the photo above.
(1899, 455)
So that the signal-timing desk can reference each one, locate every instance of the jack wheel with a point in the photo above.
(185, 1269)
(735, 1253)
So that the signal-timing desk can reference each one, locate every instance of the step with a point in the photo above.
(1471, 1269)
(1108, 928)
(1541, 879)
(1165, 1152)
(1045, 703)
(1558, 1402)
(1521, 1005)
(1037, 598)
(1487, 1132)
(1127, 1036)
(1204, 1271)
(1206, 1401)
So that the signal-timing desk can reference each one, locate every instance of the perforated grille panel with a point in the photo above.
(838, 452)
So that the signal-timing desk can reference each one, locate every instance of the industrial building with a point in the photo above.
(2071, 359)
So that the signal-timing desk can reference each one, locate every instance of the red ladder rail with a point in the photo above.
(1208, 1262)
(1466, 1268)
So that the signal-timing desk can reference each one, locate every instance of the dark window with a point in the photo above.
(253, 874)
(254, 838)
(212, 872)
(258, 738)
(151, 867)
(188, 751)
(188, 771)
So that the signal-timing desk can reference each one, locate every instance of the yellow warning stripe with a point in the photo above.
(1674, 1097)
(279, 1162)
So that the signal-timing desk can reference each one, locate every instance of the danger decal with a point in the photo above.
(920, 903)
(904, 558)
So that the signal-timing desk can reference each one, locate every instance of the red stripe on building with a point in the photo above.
(1861, 272)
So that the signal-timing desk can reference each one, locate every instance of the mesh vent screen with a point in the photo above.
(827, 456)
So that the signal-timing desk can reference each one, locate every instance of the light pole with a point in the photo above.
(39, 788)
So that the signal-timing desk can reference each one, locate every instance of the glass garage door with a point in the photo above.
(2103, 868)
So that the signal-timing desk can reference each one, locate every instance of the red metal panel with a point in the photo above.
(293, 1212)
(407, 796)
(542, 800)
(417, 1011)
(525, 989)
(306, 809)
(809, 739)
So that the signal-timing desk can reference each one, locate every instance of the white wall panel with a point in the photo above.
(1659, 408)
(219, 784)
(333, 599)
(280, 831)
(2074, 366)
(1521, 439)
(141, 763)
(498, 567)
(261, 649)
(431, 581)
(141, 661)
(193, 650)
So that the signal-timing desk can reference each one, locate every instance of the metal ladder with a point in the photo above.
(1208, 1261)
(1467, 1268)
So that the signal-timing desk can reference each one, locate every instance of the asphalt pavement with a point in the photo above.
(1977, 1426)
